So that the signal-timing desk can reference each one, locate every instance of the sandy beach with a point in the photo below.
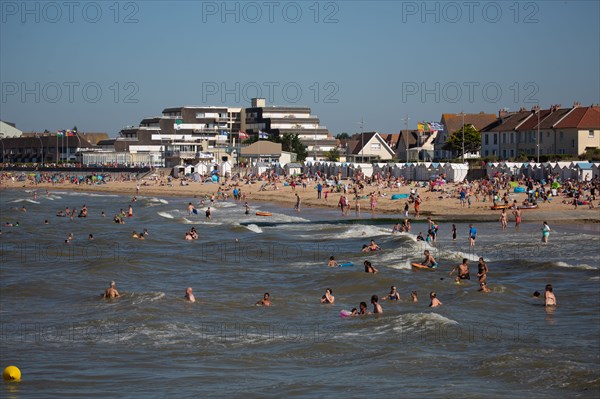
(438, 205)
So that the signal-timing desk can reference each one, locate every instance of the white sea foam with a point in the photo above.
(254, 228)
(165, 215)
(414, 321)
(580, 266)
(149, 297)
(402, 265)
(362, 231)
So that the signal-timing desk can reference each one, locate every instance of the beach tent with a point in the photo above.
(201, 168)
(260, 167)
(456, 172)
(366, 168)
(595, 169)
(584, 171)
(292, 169)
(196, 177)
(422, 171)
(568, 170)
(225, 168)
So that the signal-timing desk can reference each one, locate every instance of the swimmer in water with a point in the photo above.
(266, 301)
(332, 262)
(413, 296)
(373, 246)
(435, 302)
(363, 308)
(328, 297)
(463, 271)
(376, 306)
(393, 295)
(111, 291)
(483, 287)
(189, 295)
(369, 267)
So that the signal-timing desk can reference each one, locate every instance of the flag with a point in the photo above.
(421, 127)
(60, 132)
(262, 135)
(70, 133)
(243, 135)
(435, 126)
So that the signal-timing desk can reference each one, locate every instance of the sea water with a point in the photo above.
(151, 343)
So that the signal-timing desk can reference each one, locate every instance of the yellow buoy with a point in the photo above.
(11, 373)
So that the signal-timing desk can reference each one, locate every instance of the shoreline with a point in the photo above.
(440, 209)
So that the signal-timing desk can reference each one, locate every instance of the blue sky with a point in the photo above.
(104, 65)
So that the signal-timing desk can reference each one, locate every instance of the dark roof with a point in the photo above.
(358, 144)
(512, 121)
(553, 118)
(531, 123)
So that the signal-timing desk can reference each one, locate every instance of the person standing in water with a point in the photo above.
(549, 295)
(503, 219)
(483, 271)
(517, 212)
(545, 232)
(472, 235)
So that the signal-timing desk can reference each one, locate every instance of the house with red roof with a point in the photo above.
(556, 130)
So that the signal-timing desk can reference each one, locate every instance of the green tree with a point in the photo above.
(333, 155)
(472, 139)
(343, 136)
(290, 142)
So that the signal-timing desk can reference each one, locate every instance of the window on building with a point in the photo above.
(503, 138)
(199, 115)
(486, 151)
(512, 139)
(487, 140)
(495, 138)
(562, 134)
(504, 154)
(512, 153)
(541, 137)
(591, 134)
(376, 146)
(573, 143)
